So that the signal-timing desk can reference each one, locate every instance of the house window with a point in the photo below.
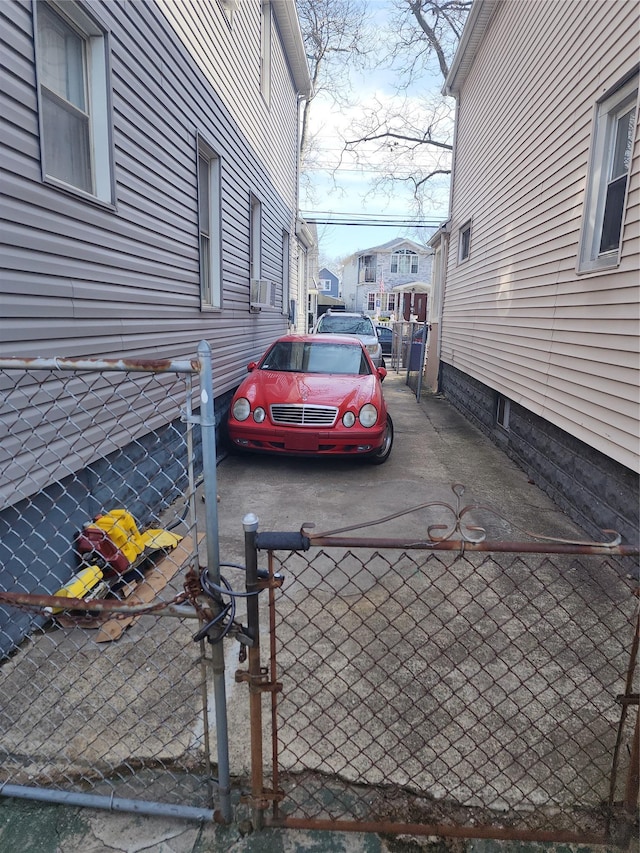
(324, 285)
(367, 268)
(286, 264)
(210, 227)
(464, 242)
(73, 98)
(255, 235)
(387, 302)
(607, 179)
(265, 51)
(404, 261)
(503, 409)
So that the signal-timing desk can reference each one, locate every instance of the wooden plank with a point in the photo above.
(154, 582)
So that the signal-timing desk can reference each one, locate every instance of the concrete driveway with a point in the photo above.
(434, 448)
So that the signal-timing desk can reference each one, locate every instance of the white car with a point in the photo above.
(359, 325)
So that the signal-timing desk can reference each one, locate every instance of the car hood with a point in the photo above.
(264, 387)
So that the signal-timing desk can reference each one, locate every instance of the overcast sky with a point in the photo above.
(346, 199)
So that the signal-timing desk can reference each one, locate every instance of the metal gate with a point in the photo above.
(447, 686)
(92, 715)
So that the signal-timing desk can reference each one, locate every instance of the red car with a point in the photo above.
(313, 395)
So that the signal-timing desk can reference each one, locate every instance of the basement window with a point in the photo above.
(503, 408)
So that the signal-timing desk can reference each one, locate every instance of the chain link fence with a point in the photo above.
(101, 465)
(456, 694)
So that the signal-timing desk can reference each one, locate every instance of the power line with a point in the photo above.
(377, 219)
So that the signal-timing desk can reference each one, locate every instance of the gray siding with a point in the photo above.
(83, 279)
(80, 278)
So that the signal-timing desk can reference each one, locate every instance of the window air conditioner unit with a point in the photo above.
(263, 293)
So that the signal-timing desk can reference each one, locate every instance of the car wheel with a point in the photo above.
(382, 454)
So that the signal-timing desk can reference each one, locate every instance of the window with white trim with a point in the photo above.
(464, 242)
(614, 131)
(265, 51)
(255, 239)
(210, 227)
(387, 301)
(73, 99)
(404, 261)
(286, 268)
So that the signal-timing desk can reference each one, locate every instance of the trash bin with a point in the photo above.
(415, 359)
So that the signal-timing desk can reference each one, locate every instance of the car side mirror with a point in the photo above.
(382, 372)
(251, 366)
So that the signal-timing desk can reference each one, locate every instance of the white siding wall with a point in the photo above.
(516, 315)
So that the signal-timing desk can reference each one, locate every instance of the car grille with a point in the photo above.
(301, 415)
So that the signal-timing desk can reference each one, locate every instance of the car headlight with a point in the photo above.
(259, 415)
(241, 409)
(368, 415)
(373, 348)
(348, 419)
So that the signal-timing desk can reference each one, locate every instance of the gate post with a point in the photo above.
(255, 672)
(209, 462)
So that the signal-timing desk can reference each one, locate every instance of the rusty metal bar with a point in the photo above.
(112, 607)
(255, 674)
(441, 829)
(146, 365)
(463, 546)
(632, 785)
(627, 699)
(633, 777)
(274, 694)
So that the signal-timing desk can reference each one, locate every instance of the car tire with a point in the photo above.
(381, 455)
(227, 447)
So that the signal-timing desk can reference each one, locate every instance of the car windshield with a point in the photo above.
(305, 357)
(338, 325)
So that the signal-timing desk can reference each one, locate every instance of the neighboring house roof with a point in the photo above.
(390, 246)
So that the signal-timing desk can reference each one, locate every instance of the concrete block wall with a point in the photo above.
(594, 490)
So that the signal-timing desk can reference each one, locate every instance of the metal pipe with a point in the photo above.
(97, 605)
(463, 545)
(146, 365)
(209, 462)
(193, 517)
(273, 674)
(115, 804)
(633, 776)
(250, 525)
(441, 829)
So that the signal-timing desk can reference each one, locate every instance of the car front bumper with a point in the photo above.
(306, 442)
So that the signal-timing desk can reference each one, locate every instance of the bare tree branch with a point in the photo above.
(425, 139)
(333, 34)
